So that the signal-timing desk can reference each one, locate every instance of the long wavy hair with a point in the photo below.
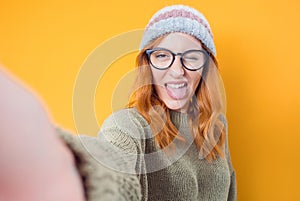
(204, 112)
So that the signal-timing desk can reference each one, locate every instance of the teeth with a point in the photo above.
(176, 86)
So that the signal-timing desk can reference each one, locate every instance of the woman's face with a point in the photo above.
(176, 85)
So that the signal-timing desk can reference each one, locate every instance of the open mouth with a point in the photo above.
(176, 90)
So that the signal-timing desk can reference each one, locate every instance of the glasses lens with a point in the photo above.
(194, 59)
(161, 58)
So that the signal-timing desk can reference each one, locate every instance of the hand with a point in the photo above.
(35, 164)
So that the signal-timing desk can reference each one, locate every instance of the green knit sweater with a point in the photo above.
(124, 163)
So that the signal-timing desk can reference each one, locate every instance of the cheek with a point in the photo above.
(156, 76)
(195, 79)
(157, 81)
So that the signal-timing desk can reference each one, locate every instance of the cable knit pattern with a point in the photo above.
(122, 164)
(100, 183)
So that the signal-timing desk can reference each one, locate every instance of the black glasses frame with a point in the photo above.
(181, 54)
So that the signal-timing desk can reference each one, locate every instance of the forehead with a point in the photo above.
(179, 42)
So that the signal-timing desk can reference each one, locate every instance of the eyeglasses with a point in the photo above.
(162, 59)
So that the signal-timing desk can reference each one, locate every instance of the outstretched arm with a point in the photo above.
(35, 164)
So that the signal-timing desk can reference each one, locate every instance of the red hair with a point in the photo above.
(203, 112)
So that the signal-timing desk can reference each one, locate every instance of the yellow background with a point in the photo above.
(44, 43)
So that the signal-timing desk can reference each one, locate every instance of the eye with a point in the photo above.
(193, 56)
(161, 55)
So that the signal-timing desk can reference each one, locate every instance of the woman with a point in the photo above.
(171, 143)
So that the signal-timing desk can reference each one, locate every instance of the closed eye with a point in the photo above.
(191, 59)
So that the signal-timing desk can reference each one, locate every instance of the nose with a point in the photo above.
(177, 69)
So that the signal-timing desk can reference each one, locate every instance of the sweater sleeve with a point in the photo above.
(125, 132)
(100, 181)
(232, 195)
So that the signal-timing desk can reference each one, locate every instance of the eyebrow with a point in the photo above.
(179, 52)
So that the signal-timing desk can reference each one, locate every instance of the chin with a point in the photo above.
(179, 106)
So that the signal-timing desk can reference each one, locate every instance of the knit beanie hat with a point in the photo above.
(179, 18)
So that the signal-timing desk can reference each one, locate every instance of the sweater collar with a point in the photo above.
(179, 119)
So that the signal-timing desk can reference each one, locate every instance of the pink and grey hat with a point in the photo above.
(179, 18)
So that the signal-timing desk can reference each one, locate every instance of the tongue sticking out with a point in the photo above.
(176, 93)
